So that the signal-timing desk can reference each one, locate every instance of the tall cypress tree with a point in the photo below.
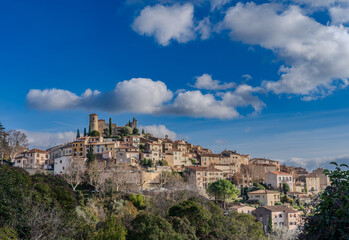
(78, 133)
(85, 133)
(110, 128)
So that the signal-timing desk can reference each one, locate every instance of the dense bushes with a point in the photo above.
(44, 207)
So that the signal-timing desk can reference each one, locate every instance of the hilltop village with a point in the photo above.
(138, 161)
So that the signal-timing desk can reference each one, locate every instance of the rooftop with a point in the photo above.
(280, 209)
(263, 191)
(280, 173)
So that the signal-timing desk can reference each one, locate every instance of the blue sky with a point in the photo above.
(266, 78)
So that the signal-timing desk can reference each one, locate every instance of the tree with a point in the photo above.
(285, 188)
(135, 131)
(149, 226)
(222, 189)
(92, 172)
(281, 232)
(75, 174)
(94, 133)
(85, 133)
(111, 230)
(126, 130)
(16, 143)
(3, 143)
(77, 133)
(143, 132)
(270, 225)
(110, 127)
(330, 218)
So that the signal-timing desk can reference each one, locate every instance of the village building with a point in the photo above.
(202, 176)
(33, 159)
(279, 215)
(126, 155)
(242, 209)
(265, 197)
(276, 179)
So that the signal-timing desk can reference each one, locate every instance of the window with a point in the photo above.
(280, 215)
(63, 168)
(60, 161)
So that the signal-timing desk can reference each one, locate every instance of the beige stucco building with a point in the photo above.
(34, 158)
(280, 216)
(266, 197)
(276, 179)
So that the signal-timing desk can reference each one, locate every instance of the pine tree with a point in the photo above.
(110, 128)
(78, 133)
(85, 133)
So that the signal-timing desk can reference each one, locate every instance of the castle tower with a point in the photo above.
(93, 122)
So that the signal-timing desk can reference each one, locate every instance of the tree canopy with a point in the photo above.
(330, 218)
(222, 189)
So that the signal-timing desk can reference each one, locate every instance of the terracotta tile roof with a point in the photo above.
(280, 209)
(35, 150)
(262, 191)
(280, 173)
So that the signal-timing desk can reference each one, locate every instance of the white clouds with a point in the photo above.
(204, 28)
(159, 131)
(218, 4)
(166, 23)
(339, 15)
(44, 140)
(205, 81)
(196, 104)
(316, 162)
(143, 95)
(51, 99)
(316, 55)
(140, 95)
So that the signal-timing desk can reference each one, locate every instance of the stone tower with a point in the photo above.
(93, 122)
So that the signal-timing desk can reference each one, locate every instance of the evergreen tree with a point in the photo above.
(143, 132)
(270, 225)
(135, 131)
(90, 155)
(89, 130)
(77, 133)
(85, 133)
(110, 128)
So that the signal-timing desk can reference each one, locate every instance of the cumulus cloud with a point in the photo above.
(316, 55)
(143, 95)
(197, 104)
(316, 162)
(159, 131)
(44, 140)
(205, 81)
(140, 95)
(166, 23)
(339, 15)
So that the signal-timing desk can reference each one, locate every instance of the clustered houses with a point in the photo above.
(132, 152)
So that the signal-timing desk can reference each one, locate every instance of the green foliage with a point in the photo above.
(29, 203)
(143, 132)
(162, 163)
(197, 215)
(270, 225)
(258, 186)
(126, 130)
(135, 131)
(94, 133)
(222, 189)
(111, 230)
(90, 155)
(137, 200)
(110, 127)
(184, 227)
(85, 133)
(330, 219)
(147, 162)
(285, 188)
(7, 233)
(150, 226)
(77, 133)
(286, 199)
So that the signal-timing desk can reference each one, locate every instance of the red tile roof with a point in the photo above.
(280, 173)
